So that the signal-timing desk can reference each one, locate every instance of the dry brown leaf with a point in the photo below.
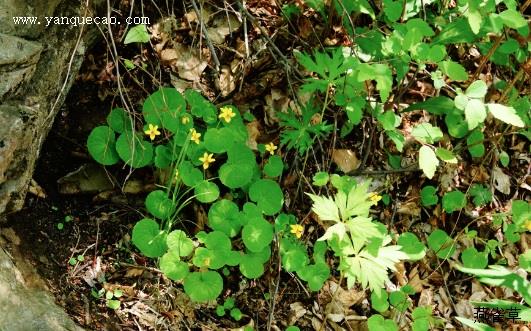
(297, 311)
(502, 182)
(133, 272)
(188, 63)
(409, 208)
(226, 83)
(221, 27)
(253, 131)
(36, 189)
(345, 159)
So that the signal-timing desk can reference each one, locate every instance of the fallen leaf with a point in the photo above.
(345, 159)
(226, 82)
(222, 26)
(253, 131)
(188, 63)
(502, 182)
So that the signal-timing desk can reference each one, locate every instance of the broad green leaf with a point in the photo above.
(380, 303)
(119, 120)
(453, 201)
(504, 158)
(149, 238)
(159, 205)
(267, 195)
(190, 175)
(234, 175)
(453, 70)
(164, 107)
(224, 216)
(473, 259)
(521, 212)
(206, 191)
(426, 133)
(456, 124)
(475, 113)
(481, 194)
(392, 9)
(437, 105)
(411, 246)
(320, 178)
(173, 268)
(101, 144)
(133, 150)
(315, 275)
(379, 323)
(428, 196)
(251, 266)
(179, 243)
(137, 34)
(203, 286)
(478, 326)
(257, 234)
(441, 244)
(475, 144)
(428, 161)
(505, 114)
(474, 20)
(477, 89)
(446, 155)
(513, 19)
(274, 166)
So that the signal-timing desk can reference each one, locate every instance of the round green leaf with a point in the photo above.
(216, 140)
(477, 89)
(453, 201)
(241, 154)
(267, 195)
(428, 196)
(274, 166)
(179, 243)
(378, 323)
(173, 268)
(224, 216)
(159, 205)
(203, 286)
(135, 151)
(380, 303)
(149, 238)
(206, 192)
(137, 34)
(320, 178)
(251, 266)
(218, 240)
(165, 100)
(234, 175)
(441, 244)
(257, 234)
(119, 120)
(190, 175)
(412, 246)
(456, 124)
(163, 157)
(473, 259)
(101, 144)
(315, 275)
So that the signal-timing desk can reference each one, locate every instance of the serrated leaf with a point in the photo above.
(453, 70)
(441, 244)
(446, 155)
(477, 89)
(427, 133)
(475, 113)
(505, 114)
(325, 208)
(137, 34)
(428, 161)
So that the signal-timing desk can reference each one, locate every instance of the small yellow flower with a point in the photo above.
(374, 197)
(153, 131)
(195, 136)
(271, 148)
(226, 113)
(297, 230)
(176, 174)
(185, 119)
(528, 225)
(207, 159)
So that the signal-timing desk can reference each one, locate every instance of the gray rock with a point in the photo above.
(26, 307)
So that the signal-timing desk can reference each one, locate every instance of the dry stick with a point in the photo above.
(209, 42)
(508, 88)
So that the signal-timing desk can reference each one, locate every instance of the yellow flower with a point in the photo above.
(528, 225)
(271, 148)
(185, 119)
(176, 174)
(226, 113)
(207, 159)
(195, 136)
(374, 197)
(297, 230)
(153, 131)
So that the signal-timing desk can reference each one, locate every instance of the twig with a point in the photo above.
(383, 172)
(209, 42)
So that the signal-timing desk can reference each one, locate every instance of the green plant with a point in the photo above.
(111, 297)
(361, 244)
(234, 312)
